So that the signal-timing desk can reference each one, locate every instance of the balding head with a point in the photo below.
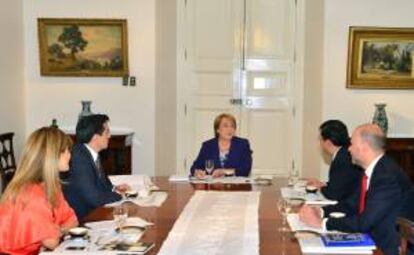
(373, 135)
(367, 142)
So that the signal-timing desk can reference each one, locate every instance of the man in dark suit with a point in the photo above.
(344, 176)
(87, 187)
(377, 203)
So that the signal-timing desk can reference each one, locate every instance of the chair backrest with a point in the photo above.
(7, 159)
(406, 229)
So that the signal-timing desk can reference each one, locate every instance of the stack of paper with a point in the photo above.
(310, 199)
(137, 182)
(154, 199)
(105, 239)
(110, 224)
(313, 243)
(224, 180)
(179, 178)
(348, 240)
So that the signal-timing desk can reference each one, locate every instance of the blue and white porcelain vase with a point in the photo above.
(380, 117)
(86, 109)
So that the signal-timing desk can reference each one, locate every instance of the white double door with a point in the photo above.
(239, 59)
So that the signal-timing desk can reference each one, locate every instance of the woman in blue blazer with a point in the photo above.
(226, 150)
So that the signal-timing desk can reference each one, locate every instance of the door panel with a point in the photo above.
(242, 49)
(269, 140)
(269, 32)
(213, 60)
(267, 84)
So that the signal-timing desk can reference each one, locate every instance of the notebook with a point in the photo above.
(348, 240)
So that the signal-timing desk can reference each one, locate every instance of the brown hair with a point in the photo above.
(39, 164)
(218, 119)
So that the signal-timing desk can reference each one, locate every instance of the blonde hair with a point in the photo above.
(39, 164)
(218, 120)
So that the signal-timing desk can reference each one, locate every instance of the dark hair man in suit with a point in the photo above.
(344, 176)
(375, 206)
(87, 186)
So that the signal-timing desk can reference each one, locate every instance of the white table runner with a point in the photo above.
(216, 223)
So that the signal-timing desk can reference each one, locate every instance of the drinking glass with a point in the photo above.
(293, 177)
(284, 209)
(120, 214)
(209, 165)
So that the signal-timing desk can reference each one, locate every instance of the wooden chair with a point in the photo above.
(406, 229)
(7, 159)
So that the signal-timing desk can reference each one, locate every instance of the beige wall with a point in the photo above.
(165, 94)
(11, 71)
(356, 106)
(312, 91)
(325, 93)
(149, 109)
(128, 107)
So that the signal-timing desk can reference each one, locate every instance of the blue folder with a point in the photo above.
(347, 240)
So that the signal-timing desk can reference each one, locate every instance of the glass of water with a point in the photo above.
(209, 165)
(284, 208)
(293, 177)
(120, 213)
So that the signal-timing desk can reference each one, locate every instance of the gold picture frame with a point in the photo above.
(83, 47)
(380, 58)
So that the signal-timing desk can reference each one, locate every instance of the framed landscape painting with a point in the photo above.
(380, 58)
(83, 47)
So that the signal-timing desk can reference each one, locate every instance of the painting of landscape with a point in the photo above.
(82, 47)
(387, 58)
(380, 58)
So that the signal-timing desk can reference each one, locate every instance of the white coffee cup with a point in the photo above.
(337, 215)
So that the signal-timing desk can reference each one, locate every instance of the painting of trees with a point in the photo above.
(389, 57)
(380, 58)
(83, 47)
(72, 39)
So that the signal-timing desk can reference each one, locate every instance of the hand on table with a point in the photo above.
(315, 182)
(218, 173)
(122, 188)
(311, 215)
(199, 174)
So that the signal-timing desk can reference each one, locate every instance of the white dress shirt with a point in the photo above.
(335, 153)
(95, 157)
(92, 151)
(370, 169)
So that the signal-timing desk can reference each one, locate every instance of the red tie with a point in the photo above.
(364, 184)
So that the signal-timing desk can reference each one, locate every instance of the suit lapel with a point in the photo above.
(93, 165)
(375, 175)
(339, 155)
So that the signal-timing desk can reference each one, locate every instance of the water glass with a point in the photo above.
(209, 165)
(120, 213)
(284, 208)
(293, 177)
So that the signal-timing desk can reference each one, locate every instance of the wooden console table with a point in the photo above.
(401, 149)
(116, 160)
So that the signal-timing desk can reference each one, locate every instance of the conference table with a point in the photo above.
(272, 242)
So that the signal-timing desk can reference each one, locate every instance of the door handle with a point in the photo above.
(239, 101)
(236, 101)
